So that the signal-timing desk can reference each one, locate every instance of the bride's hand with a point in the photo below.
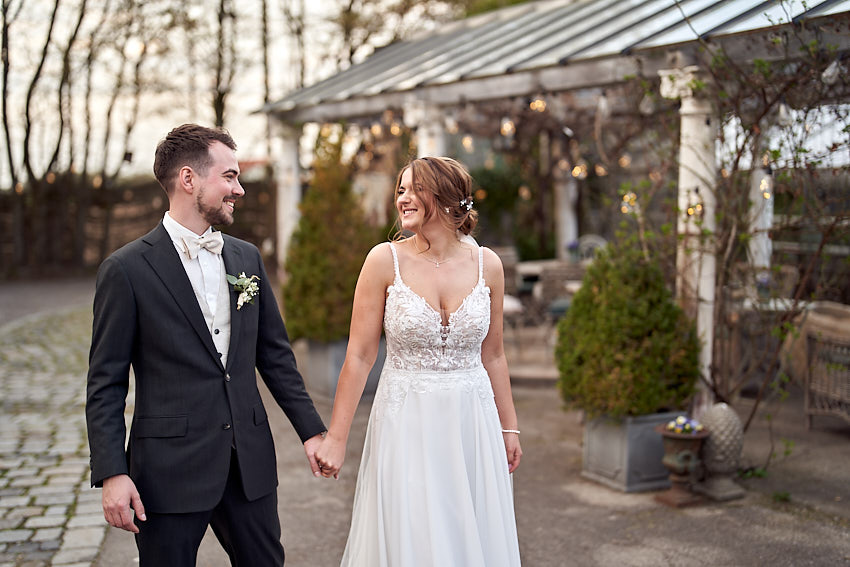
(513, 449)
(330, 455)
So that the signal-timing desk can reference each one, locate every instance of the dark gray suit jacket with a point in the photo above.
(189, 409)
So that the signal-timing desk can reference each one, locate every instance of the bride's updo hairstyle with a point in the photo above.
(450, 188)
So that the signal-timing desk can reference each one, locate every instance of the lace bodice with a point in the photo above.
(416, 338)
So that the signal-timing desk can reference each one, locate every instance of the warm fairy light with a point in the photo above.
(764, 187)
(629, 203)
(508, 127)
(468, 143)
(19, 187)
(326, 130)
(625, 161)
(580, 171)
(50, 177)
(524, 193)
(655, 176)
(97, 181)
(600, 170)
(376, 130)
(563, 164)
(480, 194)
(537, 105)
(395, 129)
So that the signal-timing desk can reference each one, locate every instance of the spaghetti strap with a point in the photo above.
(480, 264)
(395, 261)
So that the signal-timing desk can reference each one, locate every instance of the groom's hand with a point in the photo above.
(310, 447)
(119, 495)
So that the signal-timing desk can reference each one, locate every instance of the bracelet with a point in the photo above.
(511, 431)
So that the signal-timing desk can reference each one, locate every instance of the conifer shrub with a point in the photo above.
(624, 347)
(326, 251)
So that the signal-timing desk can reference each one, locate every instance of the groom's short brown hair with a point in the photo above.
(186, 145)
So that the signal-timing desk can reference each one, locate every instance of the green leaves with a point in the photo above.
(624, 347)
(327, 251)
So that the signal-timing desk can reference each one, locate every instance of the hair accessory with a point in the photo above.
(467, 203)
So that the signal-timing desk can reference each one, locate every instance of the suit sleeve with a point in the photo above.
(276, 364)
(113, 333)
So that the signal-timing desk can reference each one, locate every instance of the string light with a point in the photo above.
(629, 203)
(537, 105)
(600, 170)
(468, 143)
(19, 187)
(625, 161)
(508, 128)
(395, 129)
(524, 193)
(765, 188)
(376, 130)
(580, 170)
(696, 209)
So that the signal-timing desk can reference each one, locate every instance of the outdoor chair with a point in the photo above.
(827, 389)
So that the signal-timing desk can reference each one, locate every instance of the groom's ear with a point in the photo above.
(186, 180)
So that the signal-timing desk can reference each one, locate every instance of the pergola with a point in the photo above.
(565, 46)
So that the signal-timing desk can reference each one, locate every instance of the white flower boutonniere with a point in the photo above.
(247, 287)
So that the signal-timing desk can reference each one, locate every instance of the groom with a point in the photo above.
(200, 451)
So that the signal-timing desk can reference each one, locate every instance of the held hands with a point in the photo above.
(119, 496)
(513, 449)
(330, 456)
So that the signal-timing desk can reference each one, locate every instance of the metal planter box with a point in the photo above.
(626, 453)
(321, 363)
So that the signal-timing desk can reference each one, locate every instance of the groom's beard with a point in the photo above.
(213, 215)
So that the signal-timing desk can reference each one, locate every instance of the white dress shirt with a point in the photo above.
(204, 271)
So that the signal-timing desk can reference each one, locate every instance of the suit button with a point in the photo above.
(227, 377)
(216, 331)
(226, 426)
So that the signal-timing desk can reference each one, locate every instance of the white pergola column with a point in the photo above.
(430, 133)
(760, 247)
(288, 180)
(695, 258)
(566, 218)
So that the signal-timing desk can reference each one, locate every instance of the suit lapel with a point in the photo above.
(233, 265)
(165, 261)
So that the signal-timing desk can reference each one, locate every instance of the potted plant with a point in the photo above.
(628, 356)
(322, 265)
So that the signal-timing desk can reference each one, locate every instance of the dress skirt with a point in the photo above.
(433, 488)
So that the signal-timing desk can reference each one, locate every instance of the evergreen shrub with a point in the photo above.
(624, 347)
(326, 251)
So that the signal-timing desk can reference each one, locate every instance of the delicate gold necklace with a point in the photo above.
(433, 260)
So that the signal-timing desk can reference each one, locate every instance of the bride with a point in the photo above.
(434, 486)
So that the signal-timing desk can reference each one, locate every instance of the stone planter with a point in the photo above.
(681, 457)
(320, 364)
(626, 454)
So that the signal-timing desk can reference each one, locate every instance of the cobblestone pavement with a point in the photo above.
(50, 516)
(48, 513)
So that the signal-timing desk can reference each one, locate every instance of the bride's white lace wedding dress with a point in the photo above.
(433, 487)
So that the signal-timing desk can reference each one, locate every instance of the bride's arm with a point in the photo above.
(364, 336)
(493, 357)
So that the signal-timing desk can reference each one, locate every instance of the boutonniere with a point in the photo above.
(247, 287)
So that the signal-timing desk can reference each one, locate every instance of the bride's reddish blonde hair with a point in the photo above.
(449, 188)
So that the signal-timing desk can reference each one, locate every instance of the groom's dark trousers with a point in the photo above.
(200, 444)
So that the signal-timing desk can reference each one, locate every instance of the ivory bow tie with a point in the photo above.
(212, 241)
